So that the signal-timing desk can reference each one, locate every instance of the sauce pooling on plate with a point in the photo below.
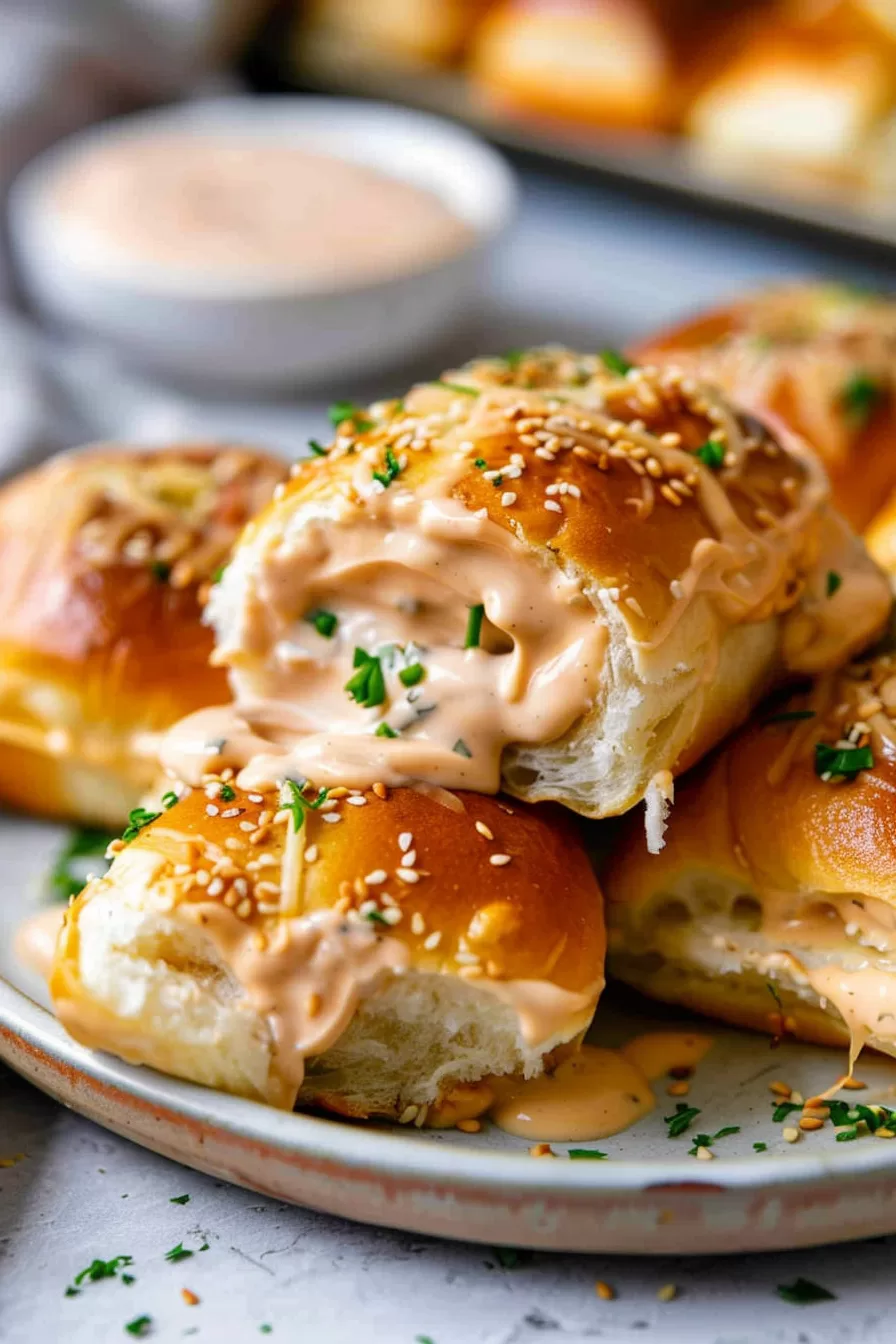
(211, 206)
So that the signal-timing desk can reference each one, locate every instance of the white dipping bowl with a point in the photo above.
(270, 332)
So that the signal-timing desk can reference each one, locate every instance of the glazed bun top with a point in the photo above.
(521, 553)
(310, 897)
(820, 358)
(107, 555)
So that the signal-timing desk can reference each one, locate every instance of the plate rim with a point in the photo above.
(389, 1153)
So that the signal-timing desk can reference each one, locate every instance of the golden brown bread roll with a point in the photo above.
(106, 555)
(428, 32)
(541, 570)
(386, 952)
(778, 879)
(818, 356)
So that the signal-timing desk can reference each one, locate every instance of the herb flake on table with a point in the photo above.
(783, 1109)
(139, 1327)
(585, 1154)
(179, 1199)
(177, 1253)
(97, 1270)
(803, 1293)
(707, 1140)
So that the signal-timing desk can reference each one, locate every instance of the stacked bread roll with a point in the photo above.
(538, 586)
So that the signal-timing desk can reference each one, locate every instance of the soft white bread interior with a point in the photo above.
(388, 958)
(773, 904)
(643, 561)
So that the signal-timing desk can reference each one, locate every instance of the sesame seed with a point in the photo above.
(552, 506)
(418, 923)
(508, 498)
(215, 887)
(255, 797)
(202, 878)
(212, 810)
(405, 840)
(392, 914)
(357, 800)
(331, 817)
(410, 858)
(499, 860)
(377, 877)
(233, 812)
(432, 941)
(407, 875)
(181, 869)
(311, 854)
(484, 830)
(246, 826)
(407, 1115)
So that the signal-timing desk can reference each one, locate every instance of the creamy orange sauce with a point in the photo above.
(656, 1052)
(205, 205)
(35, 939)
(596, 1093)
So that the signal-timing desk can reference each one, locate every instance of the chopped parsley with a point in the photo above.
(707, 1140)
(69, 872)
(460, 748)
(841, 762)
(682, 1119)
(139, 1326)
(832, 582)
(227, 793)
(585, 1155)
(462, 388)
(160, 571)
(169, 799)
(177, 1253)
(385, 730)
(783, 1109)
(138, 818)
(760, 1147)
(514, 358)
(474, 626)
(367, 685)
(615, 362)
(481, 463)
(341, 411)
(324, 622)
(180, 1199)
(128, 1280)
(317, 448)
(410, 675)
(789, 716)
(376, 917)
(393, 470)
(803, 1292)
(711, 454)
(219, 574)
(498, 481)
(296, 802)
(97, 1270)
(861, 395)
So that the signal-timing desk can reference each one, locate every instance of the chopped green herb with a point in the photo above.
(711, 454)
(317, 448)
(219, 574)
(498, 481)
(615, 362)
(474, 626)
(367, 685)
(169, 799)
(871, 1118)
(324, 622)
(860, 398)
(841, 762)
(508, 1257)
(462, 388)
(376, 917)
(128, 1280)
(177, 1253)
(783, 1109)
(833, 582)
(803, 1292)
(775, 995)
(481, 463)
(841, 1112)
(789, 716)
(180, 1199)
(682, 1119)
(296, 802)
(384, 730)
(760, 1147)
(514, 358)
(585, 1155)
(846, 1135)
(461, 749)
(265, 1329)
(204, 1246)
(69, 872)
(410, 675)
(423, 1339)
(139, 1326)
(138, 817)
(392, 472)
(341, 411)
(96, 1270)
(160, 571)
(700, 1141)
(725, 1131)
(227, 793)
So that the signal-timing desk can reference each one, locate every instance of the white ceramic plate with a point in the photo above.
(648, 1197)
